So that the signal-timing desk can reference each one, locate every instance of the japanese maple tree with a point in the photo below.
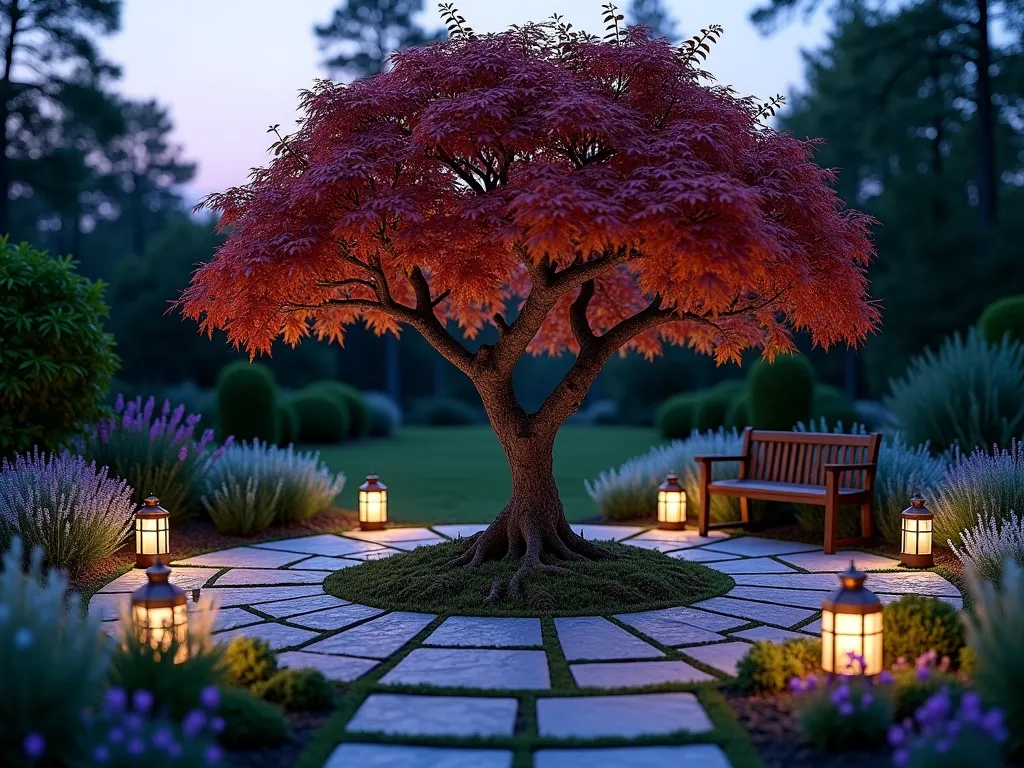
(580, 195)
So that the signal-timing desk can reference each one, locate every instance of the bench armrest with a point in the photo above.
(709, 459)
(849, 467)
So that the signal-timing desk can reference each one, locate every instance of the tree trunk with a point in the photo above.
(533, 522)
(14, 14)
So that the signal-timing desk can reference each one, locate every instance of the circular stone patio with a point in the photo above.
(503, 666)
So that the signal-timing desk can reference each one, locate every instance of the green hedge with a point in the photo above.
(247, 402)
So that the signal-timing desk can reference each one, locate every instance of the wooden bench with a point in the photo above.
(803, 467)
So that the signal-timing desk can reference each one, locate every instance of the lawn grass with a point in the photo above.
(424, 581)
(460, 475)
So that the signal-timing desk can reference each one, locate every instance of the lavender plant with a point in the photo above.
(53, 662)
(991, 543)
(994, 629)
(255, 484)
(993, 482)
(129, 730)
(631, 490)
(74, 513)
(156, 453)
(945, 733)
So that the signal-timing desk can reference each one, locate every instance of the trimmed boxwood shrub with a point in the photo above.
(737, 415)
(287, 423)
(675, 416)
(352, 400)
(713, 405)
(56, 361)
(248, 661)
(322, 419)
(297, 690)
(250, 722)
(769, 667)
(915, 625)
(247, 402)
(781, 393)
(1003, 317)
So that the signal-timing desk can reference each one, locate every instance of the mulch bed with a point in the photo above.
(199, 535)
(303, 724)
(771, 724)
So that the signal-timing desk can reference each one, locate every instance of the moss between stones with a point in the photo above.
(423, 580)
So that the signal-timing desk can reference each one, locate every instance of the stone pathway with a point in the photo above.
(274, 591)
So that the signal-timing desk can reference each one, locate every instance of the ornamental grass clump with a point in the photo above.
(157, 453)
(265, 484)
(987, 546)
(75, 513)
(950, 730)
(53, 663)
(983, 481)
(969, 392)
(631, 490)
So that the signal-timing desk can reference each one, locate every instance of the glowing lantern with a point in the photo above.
(916, 547)
(152, 533)
(671, 505)
(373, 504)
(851, 628)
(160, 613)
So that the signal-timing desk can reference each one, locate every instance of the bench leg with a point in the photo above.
(704, 516)
(831, 514)
(744, 510)
(867, 521)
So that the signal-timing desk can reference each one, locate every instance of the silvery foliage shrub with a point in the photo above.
(631, 490)
(385, 414)
(270, 484)
(969, 392)
(77, 514)
(994, 628)
(53, 663)
(989, 544)
(981, 481)
(903, 470)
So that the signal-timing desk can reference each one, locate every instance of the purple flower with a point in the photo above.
(176, 416)
(896, 736)
(923, 673)
(840, 694)
(900, 758)
(206, 439)
(796, 685)
(192, 419)
(811, 683)
(115, 735)
(992, 722)
(846, 709)
(147, 412)
(217, 724)
(865, 700)
(156, 430)
(183, 453)
(115, 700)
(100, 754)
(136, 746)
(210, 697)
(166, 409)
(193, 722)
(214, 754)
(142, 701)
(34, 746)
(162, 737)
(119, 403)
(885, 677)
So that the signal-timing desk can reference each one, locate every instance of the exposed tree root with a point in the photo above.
(516, 534)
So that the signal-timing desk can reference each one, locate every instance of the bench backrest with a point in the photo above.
(800, 457)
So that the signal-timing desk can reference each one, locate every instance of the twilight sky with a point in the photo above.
(228, 69)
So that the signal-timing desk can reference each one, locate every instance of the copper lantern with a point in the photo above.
(916, 535)
(671, 505)
(160, 613)
(373, 504)
(851, 628)
(152, 533)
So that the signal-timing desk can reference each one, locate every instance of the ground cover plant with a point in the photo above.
(424, 580)
(715, 231)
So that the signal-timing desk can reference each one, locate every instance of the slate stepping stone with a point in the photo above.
(242, 557)
(486, 632)
(337, 618)
(752, 565)
(323, 563)
(690, 756)
(458, 531)
(257, 595)
(606, 532)
(813, 628)
(376, 639)
(680, 626)
(657, 546)
(751, 546)
(395, 535)
(186, 578)
(324, 544)
(395, 756)
(595, 638)
(282, 609)
(819, 562)
(633, 674)
(459, 716)
(250, 577)
(344, 669)
(688, 537)
(108, 607)
(231, 618)
(472, 668)
(904, 582)
(799, 598)
(771, 634)
(277, 636)
(780, 615)
(721, 656)
(626, 717)
(702, 555)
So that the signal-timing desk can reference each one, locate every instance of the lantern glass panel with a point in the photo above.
(373, 506)
(671, 506)
(159, 627)
(152, 536)
(827, 644)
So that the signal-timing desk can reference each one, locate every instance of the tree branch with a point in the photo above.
(580, 272)
(578, 316)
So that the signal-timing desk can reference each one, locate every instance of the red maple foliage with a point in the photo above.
(607, 195)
